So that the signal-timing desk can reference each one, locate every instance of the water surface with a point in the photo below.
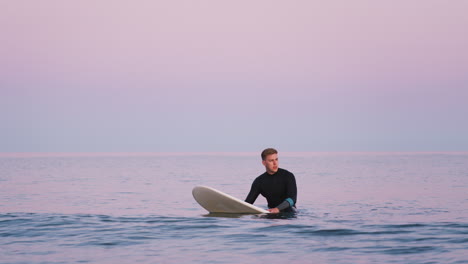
(138, 208)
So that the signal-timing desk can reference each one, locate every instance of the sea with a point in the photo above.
(370, 207)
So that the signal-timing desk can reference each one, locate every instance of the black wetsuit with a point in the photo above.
(279, 189)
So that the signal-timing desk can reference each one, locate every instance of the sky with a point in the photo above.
(215, 75)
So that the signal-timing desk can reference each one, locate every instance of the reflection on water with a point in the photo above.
(285, 215)
(353, 208)
(282, 215)
(228, 215)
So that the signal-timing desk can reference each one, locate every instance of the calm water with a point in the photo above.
(354, 208)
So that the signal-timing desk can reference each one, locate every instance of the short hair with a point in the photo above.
(268, 151)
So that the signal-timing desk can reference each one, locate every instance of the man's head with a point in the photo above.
(270, 160)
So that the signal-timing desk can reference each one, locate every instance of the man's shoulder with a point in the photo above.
(263, 175)
(285, 172)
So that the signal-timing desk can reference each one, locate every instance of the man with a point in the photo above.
(277, 185)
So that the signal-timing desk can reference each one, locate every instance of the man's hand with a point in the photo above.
(273, 210)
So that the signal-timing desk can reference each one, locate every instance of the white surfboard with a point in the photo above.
(215, 201)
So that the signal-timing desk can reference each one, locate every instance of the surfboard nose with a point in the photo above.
(215, 201)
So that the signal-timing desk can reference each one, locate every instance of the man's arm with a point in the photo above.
(254, 192)
(291, 191)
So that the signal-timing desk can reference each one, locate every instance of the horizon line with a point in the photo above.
(199, 153)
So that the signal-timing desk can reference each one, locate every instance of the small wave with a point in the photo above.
(333, 232)
(95, 230)
(333, 249)
(410, 250)
(458, 240)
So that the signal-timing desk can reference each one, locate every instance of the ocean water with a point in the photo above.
(138, 208)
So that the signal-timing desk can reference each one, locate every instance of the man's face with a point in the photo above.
(271, 163)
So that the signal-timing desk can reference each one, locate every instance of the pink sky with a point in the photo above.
(221, 76)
